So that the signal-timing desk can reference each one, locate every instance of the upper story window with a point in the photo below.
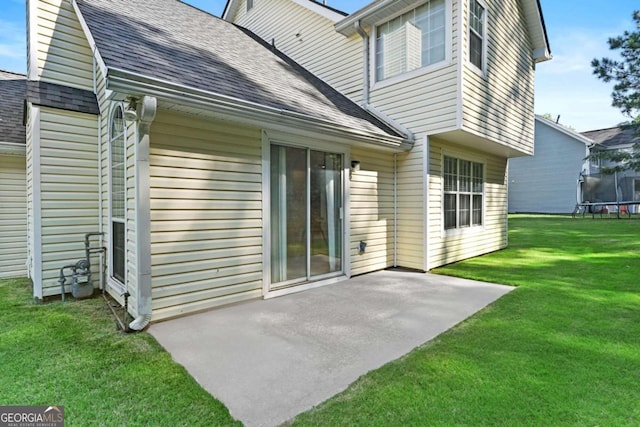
(412, 40)
(477, 24)
(249, 5)
(463, 193)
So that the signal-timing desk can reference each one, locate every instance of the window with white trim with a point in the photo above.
(463, 193)
(117, 194)
(413, 40)
(477, 23)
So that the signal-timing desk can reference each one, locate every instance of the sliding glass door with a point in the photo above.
(306, 215)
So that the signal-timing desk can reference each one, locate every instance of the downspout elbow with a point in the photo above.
(140, 322)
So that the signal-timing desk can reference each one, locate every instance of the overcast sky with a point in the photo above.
(578, 31)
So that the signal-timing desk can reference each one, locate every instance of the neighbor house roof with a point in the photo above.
(170, 41)
(615, 137)
(13, 89)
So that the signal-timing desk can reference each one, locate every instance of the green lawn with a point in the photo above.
(562, 349)
(71, 354)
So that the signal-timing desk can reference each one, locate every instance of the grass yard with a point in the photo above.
(71, 354)
(562, 349)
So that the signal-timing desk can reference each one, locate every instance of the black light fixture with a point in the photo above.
(355, 165)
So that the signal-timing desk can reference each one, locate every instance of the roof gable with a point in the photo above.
(170, 41)
(328, 12)
(562, 129)
(13, 90)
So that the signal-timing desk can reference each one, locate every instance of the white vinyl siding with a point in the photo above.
(372, 211)
(61, 49)
(499, 105)
(309, 39)
(69, 189)
(447, 247)
(13, 216)
(206, 214)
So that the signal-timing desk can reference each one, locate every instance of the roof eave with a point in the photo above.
(127, 82)
(347, 27)
(535, 22)
(575, 135)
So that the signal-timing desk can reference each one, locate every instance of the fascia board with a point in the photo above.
(90, 39)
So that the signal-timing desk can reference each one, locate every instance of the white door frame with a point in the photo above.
(273, 137)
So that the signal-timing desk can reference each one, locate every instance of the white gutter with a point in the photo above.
(347, 24)
(128, 82)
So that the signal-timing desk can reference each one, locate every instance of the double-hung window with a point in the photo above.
(463, 193)
(477, 24)
(117, 194)
(413, 40)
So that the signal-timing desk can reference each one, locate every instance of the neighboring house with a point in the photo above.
(13, 193)
(547, 182)
(296, 148)
(622, 186)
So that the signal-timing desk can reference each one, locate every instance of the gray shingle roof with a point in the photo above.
(612, 137)
(62, 97)
(13, 89)
(172, 41)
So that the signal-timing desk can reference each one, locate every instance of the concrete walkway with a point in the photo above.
(269, 360)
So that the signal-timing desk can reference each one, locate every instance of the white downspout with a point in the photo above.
(146, 110)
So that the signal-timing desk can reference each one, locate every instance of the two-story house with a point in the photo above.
(283, 147)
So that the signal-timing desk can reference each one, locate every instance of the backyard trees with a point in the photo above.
(626, 93)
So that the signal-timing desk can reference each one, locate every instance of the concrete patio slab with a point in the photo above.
(269, 360)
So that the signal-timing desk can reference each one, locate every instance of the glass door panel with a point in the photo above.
(306, 215)
(325, 209)
(288, 214)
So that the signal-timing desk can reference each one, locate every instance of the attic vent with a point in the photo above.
(249, 5)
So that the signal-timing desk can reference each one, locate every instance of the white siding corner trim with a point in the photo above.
(425, 200)
(36, 206)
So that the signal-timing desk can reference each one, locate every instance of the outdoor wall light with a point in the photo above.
(131, 113)
(355, 165)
